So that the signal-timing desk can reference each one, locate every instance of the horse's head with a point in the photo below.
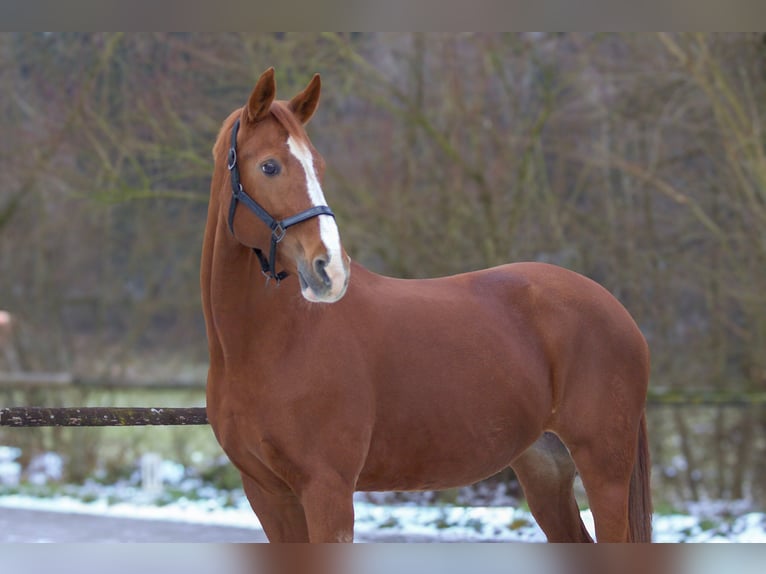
(275, 201)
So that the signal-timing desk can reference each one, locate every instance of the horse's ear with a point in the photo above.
(259, 104)
(305, 104)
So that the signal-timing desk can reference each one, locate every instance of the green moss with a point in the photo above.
(519, 523)
(476, 524)
(708, 524)
(390, 522)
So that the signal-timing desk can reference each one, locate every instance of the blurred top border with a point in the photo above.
(364, 15)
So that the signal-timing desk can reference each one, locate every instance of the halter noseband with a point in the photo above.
(278, 228)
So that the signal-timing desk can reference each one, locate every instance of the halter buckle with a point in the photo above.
(278, 232)
(277, 277)
(232, 162)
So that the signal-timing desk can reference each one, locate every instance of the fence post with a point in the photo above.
(151, 480)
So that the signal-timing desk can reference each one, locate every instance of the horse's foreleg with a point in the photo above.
(546, 473)
(281, 514)
(329, 507)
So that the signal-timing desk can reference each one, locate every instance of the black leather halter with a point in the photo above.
(278, 228)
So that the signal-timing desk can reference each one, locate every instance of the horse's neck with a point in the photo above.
(237, 300)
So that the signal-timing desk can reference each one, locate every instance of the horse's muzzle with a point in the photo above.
(324, 280)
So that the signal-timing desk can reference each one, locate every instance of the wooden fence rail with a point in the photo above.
(100, 416)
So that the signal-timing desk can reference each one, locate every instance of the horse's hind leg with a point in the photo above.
(605, 467)
(546, 473)
(281, 514)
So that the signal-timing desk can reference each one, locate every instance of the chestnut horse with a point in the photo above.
(327, 379)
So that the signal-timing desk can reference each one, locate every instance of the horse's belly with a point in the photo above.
(457, 414)
(433, 453)
(410, 471)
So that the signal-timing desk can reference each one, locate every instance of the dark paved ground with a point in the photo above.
(41, 526)
(17, 525)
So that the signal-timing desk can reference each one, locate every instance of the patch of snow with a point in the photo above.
(172, 472)
(10, 470)
(10, 473)
(44, 468)
(9, 453)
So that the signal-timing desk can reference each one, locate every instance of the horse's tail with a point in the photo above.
(640, 498)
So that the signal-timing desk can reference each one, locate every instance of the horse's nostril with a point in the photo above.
(320, 263)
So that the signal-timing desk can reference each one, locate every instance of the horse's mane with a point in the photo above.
(286, 117)
(221, 146)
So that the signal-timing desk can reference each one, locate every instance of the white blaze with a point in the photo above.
(328, 229)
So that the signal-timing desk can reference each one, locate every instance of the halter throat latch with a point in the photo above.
(278, 227)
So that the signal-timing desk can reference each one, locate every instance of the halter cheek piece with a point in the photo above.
(278, 228)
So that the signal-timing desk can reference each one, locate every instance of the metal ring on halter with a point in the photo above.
(232, 158)
(278, 232)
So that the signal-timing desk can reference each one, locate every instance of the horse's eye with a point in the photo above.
(270, 168)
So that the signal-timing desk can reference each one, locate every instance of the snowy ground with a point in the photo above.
(173, 492)
(447, 523)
